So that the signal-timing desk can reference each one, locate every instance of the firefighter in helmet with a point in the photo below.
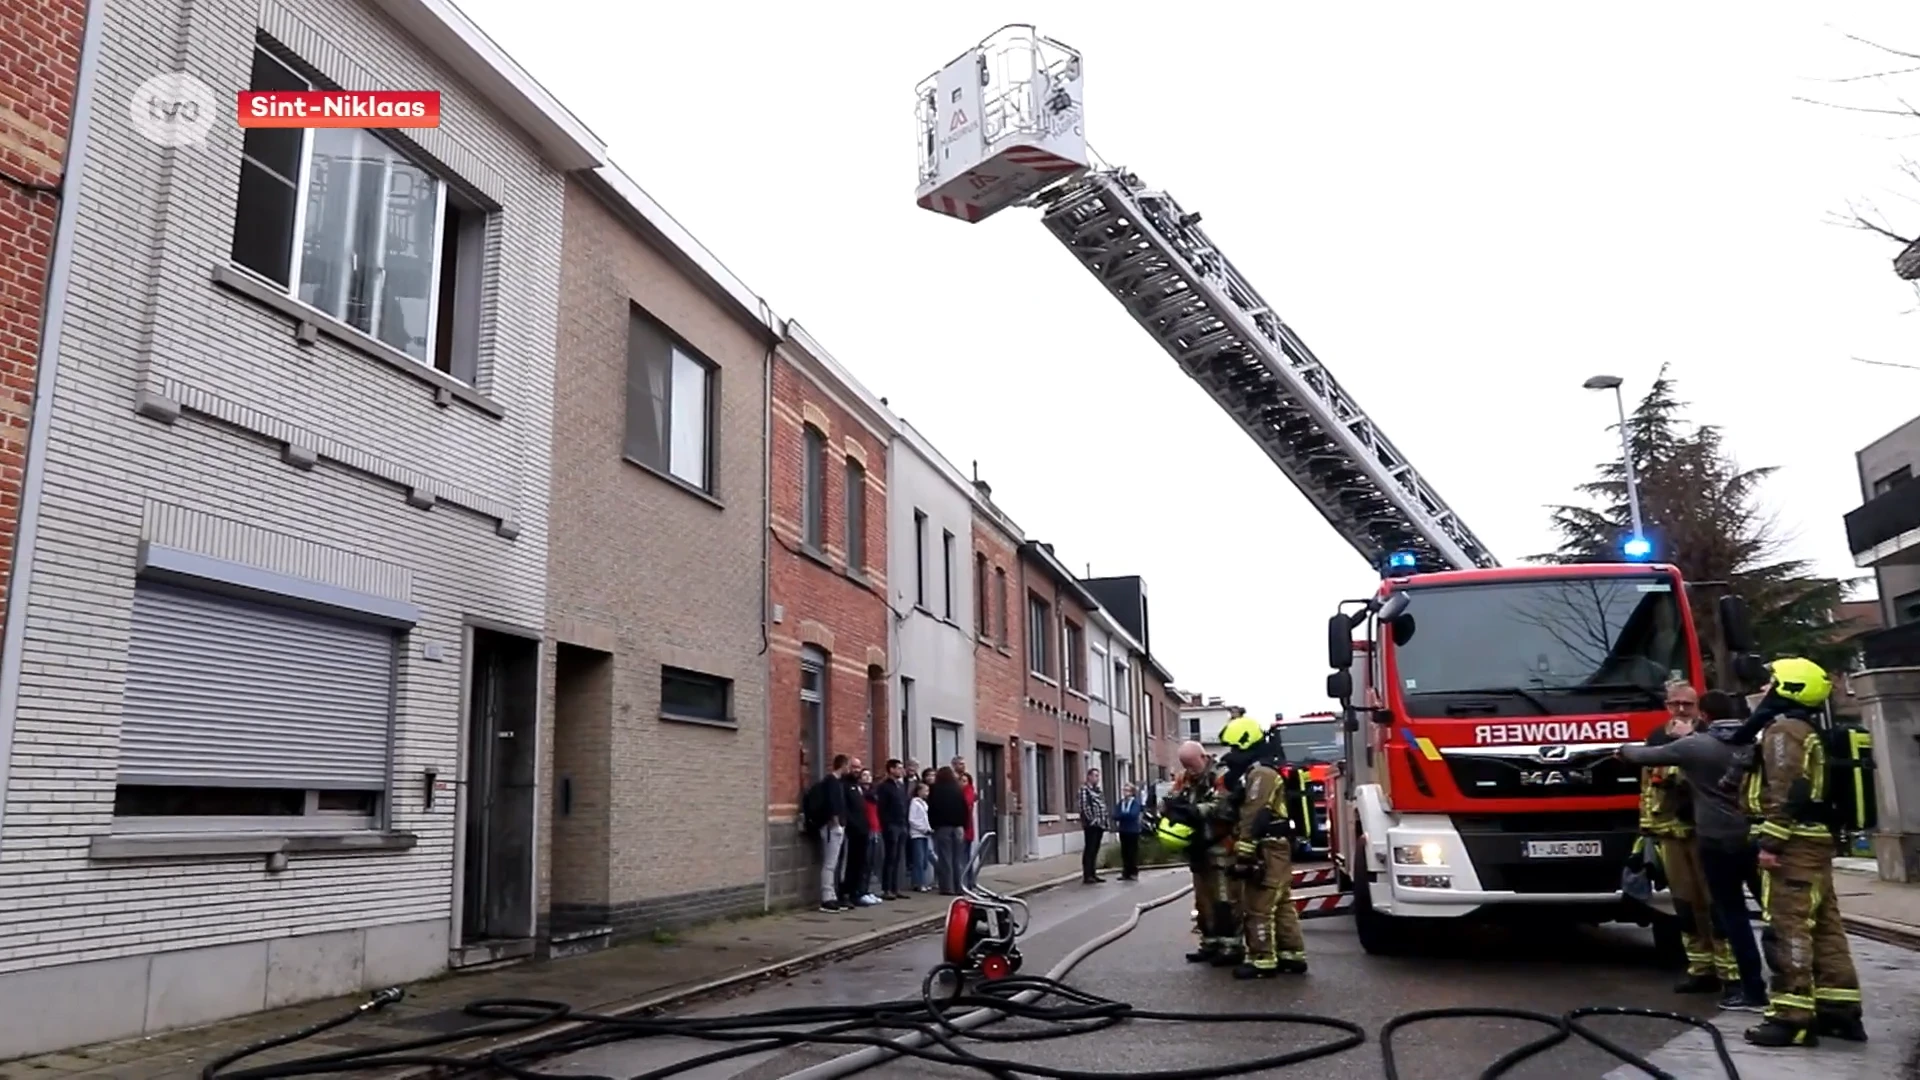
(1263, 853)
(1191, 821)
(1816, 990)
(1666, 820)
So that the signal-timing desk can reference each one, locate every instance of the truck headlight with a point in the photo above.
(1427, 854)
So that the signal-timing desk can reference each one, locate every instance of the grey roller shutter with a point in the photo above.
(227, 693)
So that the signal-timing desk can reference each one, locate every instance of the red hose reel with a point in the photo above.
(979, 939)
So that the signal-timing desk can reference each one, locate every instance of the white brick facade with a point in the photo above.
(175, 402)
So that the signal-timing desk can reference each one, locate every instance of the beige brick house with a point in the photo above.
(656, 583)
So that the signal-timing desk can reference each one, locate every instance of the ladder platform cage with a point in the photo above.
(999, 123)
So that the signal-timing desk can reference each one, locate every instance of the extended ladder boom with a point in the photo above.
(1176, 284)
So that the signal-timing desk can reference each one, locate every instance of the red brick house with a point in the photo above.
(1054, 722)
(42, 40)
(827, 568)
(999, 656)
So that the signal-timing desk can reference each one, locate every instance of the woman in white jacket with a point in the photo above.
(920, 841)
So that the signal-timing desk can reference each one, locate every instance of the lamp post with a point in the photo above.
(1636, 546)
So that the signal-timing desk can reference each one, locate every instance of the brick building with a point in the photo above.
(283, 618)
(655, 577)
(827, 639)
(1161, 715)
(1054, 724)
(999, 677)
(42, 39)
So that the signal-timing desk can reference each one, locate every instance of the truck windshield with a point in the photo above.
(1581, 644)
(1309, 743)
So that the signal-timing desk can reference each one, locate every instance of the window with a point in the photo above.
(1099, 668)
(813, 709)
(1000, 604)
(1043, 780)
(350, 227)
(228, 722)
(1892, 480)
(906, 716)
(1574, 646)
(1906, 608)
(813, 488)
(946, 742)
(981, 625)
(695, 697)
(1039, 636)
(856, 516)
(946, 569)
(1193, 723)
(670, 404)
(1071, 779)
(1122, 691)
(1073, 643)
(876, 717)
(919, 560)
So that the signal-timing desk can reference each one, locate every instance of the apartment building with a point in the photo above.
(827, 644)
(1152, 707)
(656, 577)
(284, 614)
(930, 512)
(999, 677)
(1160, 707)
(37, 148)
(1202, 718)
(1107, 744)
(1055, 725)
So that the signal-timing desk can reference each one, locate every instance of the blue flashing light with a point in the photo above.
(1637, 548)
(1402, 560)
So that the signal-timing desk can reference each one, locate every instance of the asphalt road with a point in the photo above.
(1513, 969)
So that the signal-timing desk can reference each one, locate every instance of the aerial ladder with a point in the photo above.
(1002, 125)
(1429, 773)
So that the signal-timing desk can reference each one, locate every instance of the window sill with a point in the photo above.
(1049, 819)
(266, 293)
(729, 724)
(661, 474)
(859, 578)
(816, 555)
(1003, 650)
(201, 845)
(1043, 677)
(1081, 694)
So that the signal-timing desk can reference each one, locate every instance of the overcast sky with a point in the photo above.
(1464, 209)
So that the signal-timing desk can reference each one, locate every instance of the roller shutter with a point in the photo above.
(224, 692)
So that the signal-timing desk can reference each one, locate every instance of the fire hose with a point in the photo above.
(933, 1028)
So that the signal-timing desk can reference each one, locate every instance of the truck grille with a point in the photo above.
(1589, 774)
(1497, 845)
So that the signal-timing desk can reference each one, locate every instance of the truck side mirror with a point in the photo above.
(1395, 606)
(1339, 643)
(1736, 629)
(1340, 685)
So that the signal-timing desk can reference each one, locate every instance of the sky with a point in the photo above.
(1464, 210)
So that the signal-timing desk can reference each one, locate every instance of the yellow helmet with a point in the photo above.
(1801, 681)
(1173, 835)
(1242, 732)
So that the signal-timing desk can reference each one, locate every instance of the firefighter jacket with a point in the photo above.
(1786, 790)
(1663, 802)
(1207, 795)
(1263, 808)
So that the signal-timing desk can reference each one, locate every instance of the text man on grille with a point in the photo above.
(1816, 991)
(1189, 822)
(1263, 854)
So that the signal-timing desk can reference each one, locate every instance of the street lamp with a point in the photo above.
(1637, 546)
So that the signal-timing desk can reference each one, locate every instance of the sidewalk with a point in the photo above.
(1883, 910)
(704, 960)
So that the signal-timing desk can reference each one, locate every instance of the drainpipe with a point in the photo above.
(47, 367)
(778, 329)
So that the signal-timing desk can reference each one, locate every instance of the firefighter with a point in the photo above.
(1816, 991)
(1263, 854)
(1193, 808)
(1666, 817)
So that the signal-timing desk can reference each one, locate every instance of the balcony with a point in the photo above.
(1897, 646)
(1886, 530)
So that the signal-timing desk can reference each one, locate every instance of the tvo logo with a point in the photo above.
(174, 109)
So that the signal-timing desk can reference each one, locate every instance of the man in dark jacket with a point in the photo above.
(853, 876)
(891, 795)
(947, 814)
(826, 806)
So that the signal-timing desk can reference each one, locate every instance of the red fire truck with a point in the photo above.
(1313, 744)
(1482, 709)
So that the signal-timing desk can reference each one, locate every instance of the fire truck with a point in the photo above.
(1478, 703)
(1314, 744)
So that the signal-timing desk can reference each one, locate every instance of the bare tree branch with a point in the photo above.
(1876, 45)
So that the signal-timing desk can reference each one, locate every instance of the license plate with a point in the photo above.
(1563, 849)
